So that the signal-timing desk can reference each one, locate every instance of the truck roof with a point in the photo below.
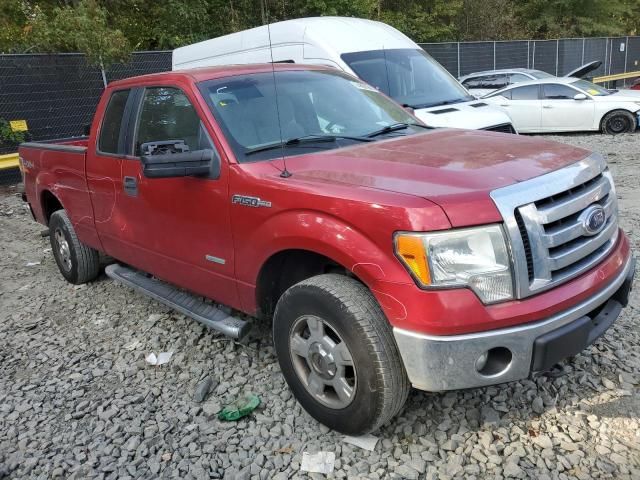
(210, 73)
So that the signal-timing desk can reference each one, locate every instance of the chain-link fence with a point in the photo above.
(57, 94)
(558, 57)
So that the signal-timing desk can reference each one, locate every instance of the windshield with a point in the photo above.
(540, 74)
(409, 76)
(591, 88)
(327, 104)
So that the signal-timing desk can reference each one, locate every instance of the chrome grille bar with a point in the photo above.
(578, 252)
(574, 203)
(565, 232)
(552, 210)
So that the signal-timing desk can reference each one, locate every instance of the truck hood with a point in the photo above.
(456, 169)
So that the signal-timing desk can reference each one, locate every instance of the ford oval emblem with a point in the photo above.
(593, 220)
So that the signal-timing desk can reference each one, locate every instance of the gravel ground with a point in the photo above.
(77, 399)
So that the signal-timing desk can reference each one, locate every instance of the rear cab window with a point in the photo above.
(111, 138)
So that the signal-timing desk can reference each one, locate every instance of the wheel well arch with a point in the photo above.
(50, 204)
(286, 268)
(614, 110)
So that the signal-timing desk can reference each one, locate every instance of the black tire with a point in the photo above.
(82, 264)
(618, 121)
(349, 310)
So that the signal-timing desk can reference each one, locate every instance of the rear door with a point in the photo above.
(523, 106)
(105, 155)
(175, 228)
(562, 113)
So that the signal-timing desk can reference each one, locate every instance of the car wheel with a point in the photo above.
(77, 262)
(338, 355)
(618, 121)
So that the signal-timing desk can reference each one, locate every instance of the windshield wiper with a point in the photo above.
(394, 128)
(304, 140)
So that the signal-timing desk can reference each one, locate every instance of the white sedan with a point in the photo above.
(567, 105)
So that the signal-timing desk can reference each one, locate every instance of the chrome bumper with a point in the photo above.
(437, 363)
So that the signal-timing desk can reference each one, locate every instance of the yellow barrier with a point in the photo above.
(618, 76)
(9, 161)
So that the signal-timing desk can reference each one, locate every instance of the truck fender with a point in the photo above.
(326, 235)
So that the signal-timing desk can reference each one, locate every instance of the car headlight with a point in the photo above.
(471, 257)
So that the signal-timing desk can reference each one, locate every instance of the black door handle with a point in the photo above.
(130, 185)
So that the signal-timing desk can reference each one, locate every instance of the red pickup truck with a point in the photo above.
(386, 253)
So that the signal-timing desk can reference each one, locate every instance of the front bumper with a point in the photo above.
(436, 363)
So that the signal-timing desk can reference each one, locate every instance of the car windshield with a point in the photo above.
(591, 88)
(409, 76)
(539, 74)
(317, 109)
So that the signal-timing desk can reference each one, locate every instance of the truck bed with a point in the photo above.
(55, 171)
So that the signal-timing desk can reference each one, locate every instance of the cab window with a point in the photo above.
(167, 114)
(109, 140)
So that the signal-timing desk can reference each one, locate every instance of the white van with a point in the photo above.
(377, 53)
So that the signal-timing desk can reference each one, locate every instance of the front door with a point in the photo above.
(176, 228)
(561, 112)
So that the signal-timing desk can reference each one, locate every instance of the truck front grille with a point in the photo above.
(547, 223)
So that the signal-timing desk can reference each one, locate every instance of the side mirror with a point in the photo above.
(86, 130)
(181, 164)
(580, 96)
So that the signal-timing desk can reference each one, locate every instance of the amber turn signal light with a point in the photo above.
(412, 251)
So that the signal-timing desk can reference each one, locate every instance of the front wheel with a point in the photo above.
(338, 355)
(619, 121)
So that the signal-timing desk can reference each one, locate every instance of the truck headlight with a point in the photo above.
(471, 257)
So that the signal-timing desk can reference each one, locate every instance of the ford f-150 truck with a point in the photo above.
(386, 254)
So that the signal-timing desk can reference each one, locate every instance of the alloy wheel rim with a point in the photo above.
(64, 252)
(322, 361)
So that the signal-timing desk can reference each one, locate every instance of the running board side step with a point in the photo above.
(179, 300)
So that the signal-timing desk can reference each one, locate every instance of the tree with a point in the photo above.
(76, 27)
(573, 18)
(82, 28)
(488, 20)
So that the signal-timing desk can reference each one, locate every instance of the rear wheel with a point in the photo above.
(618, 121)
(338, 355)
(77, 262)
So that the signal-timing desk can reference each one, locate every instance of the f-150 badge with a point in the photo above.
(250, 201)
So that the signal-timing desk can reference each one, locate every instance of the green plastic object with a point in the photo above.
(239, 408)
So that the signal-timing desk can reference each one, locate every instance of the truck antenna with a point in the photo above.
(284, 173)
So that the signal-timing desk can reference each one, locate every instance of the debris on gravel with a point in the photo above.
(79, 401)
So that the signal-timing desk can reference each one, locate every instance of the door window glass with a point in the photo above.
(553, 91)
(112, 122)
(529, 92)
(167, 115)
